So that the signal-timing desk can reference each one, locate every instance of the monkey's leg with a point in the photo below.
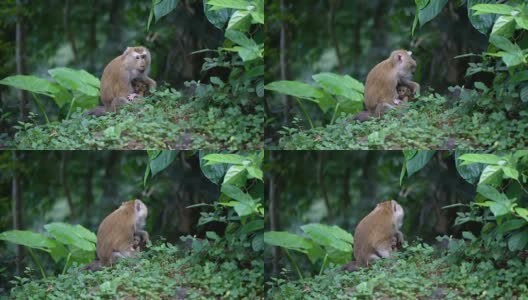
(117, 103)
(382, 108)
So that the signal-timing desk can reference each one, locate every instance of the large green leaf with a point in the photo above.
(296, 89)
(162, 161)
(236, 4)
(340, 85)
(76, 80)
(213, 171)
(470, 173)
(76, 236)
(294, 242)
(484, 22)
(32, 84)
(501, 9)
(418, 161)
(328, 236)
(518, 241)
(164, 7)
(490, 159)
(218, 18)
(28, 239)
(430, 11)
(233, 159)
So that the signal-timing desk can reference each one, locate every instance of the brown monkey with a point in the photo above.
(117, 232)
(116, 82)
(141, 88)
(378, 232)
(383, 79)
(405, 94)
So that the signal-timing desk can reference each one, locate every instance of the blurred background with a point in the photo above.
(304, 38)
(83, 187)
(341, 187)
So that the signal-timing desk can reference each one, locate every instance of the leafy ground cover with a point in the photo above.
(207, 271)
(429, 123)
(211, 119)
(419, 272)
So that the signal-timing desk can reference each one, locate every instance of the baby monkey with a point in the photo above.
(405, 94)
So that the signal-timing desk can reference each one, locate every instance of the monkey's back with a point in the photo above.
(114, 83)
(380, 85)
(373, 230)
(110, 235)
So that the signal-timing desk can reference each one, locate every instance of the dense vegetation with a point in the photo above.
(220, 81)
(205, 222)
(466, 225)
(474, 92)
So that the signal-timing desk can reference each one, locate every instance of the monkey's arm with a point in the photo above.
(151, 83)
(414, 86)
(142, 234)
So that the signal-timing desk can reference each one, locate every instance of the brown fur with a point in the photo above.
(383, 79)
(376, 233)
(116, 82)
(115, 236)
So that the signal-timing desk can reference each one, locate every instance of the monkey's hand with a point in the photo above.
(132, 96)
(397, 101)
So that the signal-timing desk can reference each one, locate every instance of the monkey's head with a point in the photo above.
(392, 207)
(140, 211)
(403, 90)
(404, 63)
(137, 61)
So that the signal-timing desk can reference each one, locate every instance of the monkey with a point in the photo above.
(405, 94)
(378, 232)
(116, 82)
(383, 79)
(141, 88)
(116, 234)
(124, 78)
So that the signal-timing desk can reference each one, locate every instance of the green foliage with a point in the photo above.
(341, 94)
(215, 118)
(319, 242)
(77, 88)
(68, 242)
(208, 270)
(242, 195)
(498, 204)
(420, 272)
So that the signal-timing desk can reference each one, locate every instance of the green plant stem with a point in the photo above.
(71, 106)
(305, 113)
(66, 264)
(37, 263)
(324, 264)
(294, 263)
(41, 108)
(335, 113)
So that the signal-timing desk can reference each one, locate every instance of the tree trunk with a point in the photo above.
(65, 157)
(321, 182)
(18, 207)
(332, 33)
(20, 57)
(284, 64)
(92, 42)
(68, 29)
(274, 203)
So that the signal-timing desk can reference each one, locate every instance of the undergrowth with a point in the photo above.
(212, 118)
(207, 271)
(420, 272)
(429, 123)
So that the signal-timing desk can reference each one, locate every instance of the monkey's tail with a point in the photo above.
(97, 111)
(362, 116)
(95, 265)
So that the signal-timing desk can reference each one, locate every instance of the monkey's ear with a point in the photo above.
(137, 205)
(127, 50)
(409, 52)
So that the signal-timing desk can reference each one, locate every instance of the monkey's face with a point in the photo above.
(138, 61)
(406, 65)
